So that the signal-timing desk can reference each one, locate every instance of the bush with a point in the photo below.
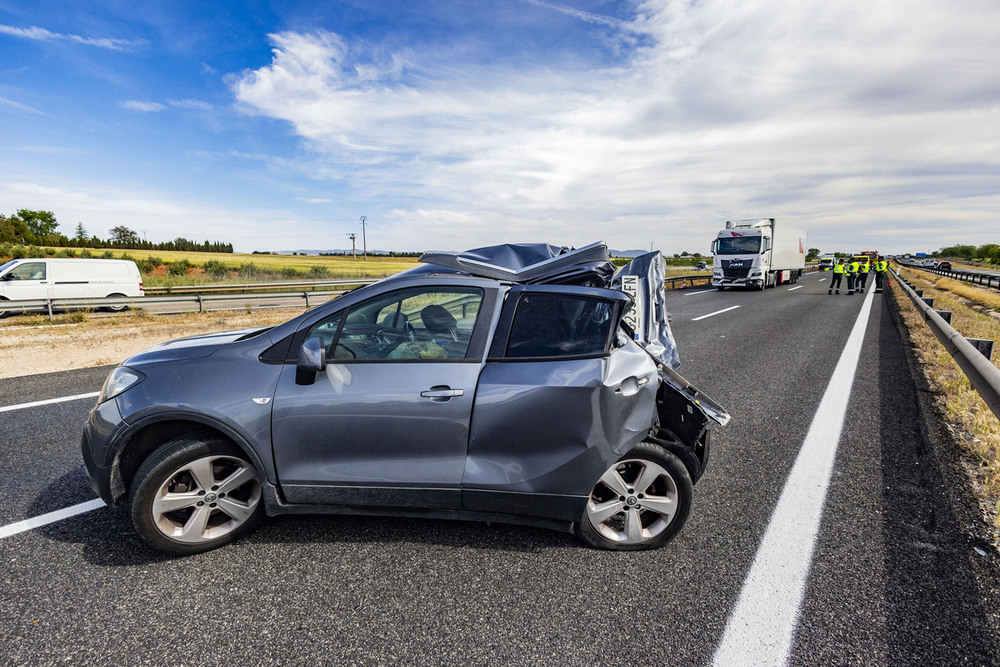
(85, 253)
(289, 273)
(319, 272)
(147, 264)
(248, 270)
(107, 254)
(66, 252)
(214, 267)
(179, 267)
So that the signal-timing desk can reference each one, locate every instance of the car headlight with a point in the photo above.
(121, 378)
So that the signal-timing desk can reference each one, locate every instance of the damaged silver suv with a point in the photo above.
(527, 384)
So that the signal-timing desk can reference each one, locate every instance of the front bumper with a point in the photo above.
(95, 446)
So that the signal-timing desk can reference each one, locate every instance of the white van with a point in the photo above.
(69, 279)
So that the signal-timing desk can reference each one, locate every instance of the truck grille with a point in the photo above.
(740, 269)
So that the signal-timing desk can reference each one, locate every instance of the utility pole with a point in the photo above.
(364, 240)
(354, 248)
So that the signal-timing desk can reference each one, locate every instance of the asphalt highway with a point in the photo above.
(898, 573)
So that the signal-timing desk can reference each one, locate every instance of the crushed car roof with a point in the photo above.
(527, 262)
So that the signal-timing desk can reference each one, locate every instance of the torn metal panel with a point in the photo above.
(642, 279)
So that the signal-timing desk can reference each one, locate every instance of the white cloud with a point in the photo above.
(41, 34)
(141, 106)
(196, 105)
(163, 216)
(815, 110)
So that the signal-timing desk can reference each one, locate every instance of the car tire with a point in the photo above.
(117, 309)
(640, 502)
(194, 494)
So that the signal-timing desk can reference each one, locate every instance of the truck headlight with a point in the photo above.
(121, 378)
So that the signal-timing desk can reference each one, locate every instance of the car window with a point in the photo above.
(425, 323)
(29, 271)
(559, 325)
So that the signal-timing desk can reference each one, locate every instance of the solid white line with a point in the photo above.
(51, 517)
(35, 404)
(795, 288)
(715, 313)
(707, 291)
(761, 626)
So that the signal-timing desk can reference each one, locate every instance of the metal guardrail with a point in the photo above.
(254, 287)
(984, 376)
(984, 279)
(196, 301)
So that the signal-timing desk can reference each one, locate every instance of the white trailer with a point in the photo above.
(758, 254)
(50, 278)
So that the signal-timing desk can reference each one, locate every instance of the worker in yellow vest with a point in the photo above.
(837, 277)
(852, 275)
(880, 266)
(863, 271)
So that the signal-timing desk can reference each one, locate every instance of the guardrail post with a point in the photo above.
(984, 345)
(929, 300)
(306, 295)
(201, 304)
(48, 302)
(945, 314)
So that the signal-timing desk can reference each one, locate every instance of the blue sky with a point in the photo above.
(456, 124)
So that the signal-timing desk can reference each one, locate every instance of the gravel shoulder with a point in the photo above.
(27, 349)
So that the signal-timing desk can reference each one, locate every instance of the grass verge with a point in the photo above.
(976, 314)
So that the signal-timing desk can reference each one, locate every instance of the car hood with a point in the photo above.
(193, 347)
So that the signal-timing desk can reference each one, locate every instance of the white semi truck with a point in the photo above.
(757, 253)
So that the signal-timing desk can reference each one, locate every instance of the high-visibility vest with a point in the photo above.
(838, 268)
(865, 268)
(881, 265)
(853, 268)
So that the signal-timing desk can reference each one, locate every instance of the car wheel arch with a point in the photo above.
(146, 436)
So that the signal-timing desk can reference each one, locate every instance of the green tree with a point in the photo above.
(123, 236)
(81, 233)
(812, 255)
(41, 223)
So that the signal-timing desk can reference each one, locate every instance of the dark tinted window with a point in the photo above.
(558, 325)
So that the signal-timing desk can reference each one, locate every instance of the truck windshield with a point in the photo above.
(738, 245)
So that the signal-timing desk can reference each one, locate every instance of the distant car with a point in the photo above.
(529, 384)
(944, 266)
(826, 263)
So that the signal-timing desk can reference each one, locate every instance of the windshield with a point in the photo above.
(7, 265)
(738, 245)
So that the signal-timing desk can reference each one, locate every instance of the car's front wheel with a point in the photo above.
(195, 493)
(640, 502)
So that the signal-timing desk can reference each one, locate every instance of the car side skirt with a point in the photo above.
(275, 505)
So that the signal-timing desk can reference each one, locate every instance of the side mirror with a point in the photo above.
(312, 360)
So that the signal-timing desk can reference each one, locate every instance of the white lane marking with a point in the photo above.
(705, 291)
(761, 626)
(795, 288)
(35, 404)
(51, 517)
(715, 313)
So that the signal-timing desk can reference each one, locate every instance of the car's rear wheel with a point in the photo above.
(194, 494)
(119, 308)
(640, 502)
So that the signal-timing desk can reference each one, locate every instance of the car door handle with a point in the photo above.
(442, 392)
(631, 385)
